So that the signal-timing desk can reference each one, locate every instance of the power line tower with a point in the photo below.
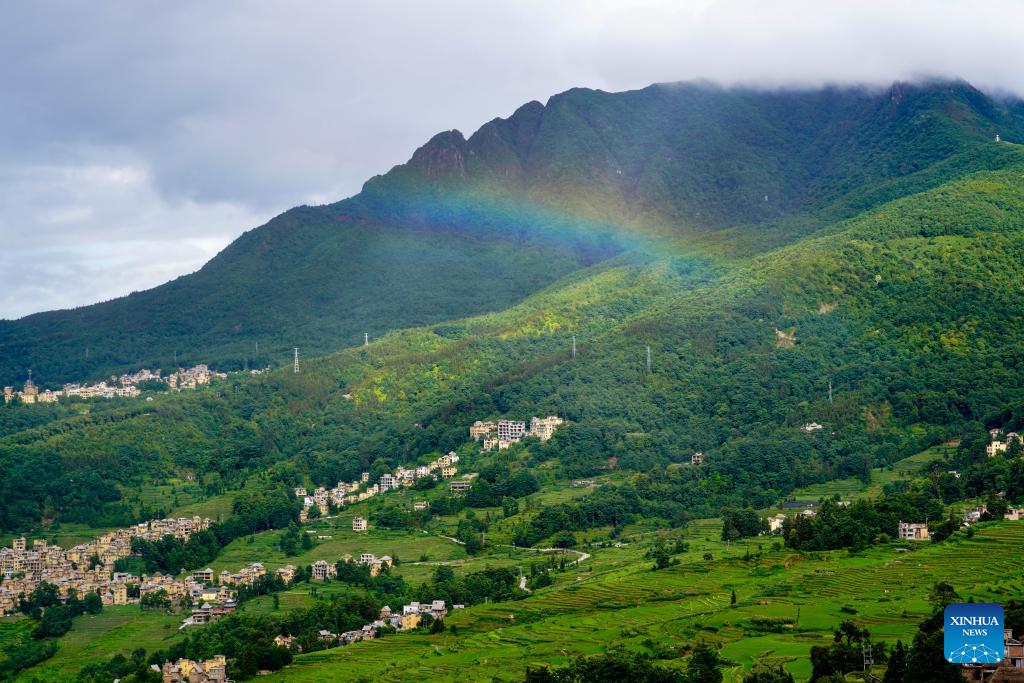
(648, 359)
(868, 660)
(830, 391)
(295, 365)
(574, 346)
(366, 338)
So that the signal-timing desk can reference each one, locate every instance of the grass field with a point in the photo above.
(96, 638)
(852, 488)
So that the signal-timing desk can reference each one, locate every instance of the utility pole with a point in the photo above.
(295, 366)
(648, 359)
(830, 391)
(175, 357)
(574, 346)
(868, 661)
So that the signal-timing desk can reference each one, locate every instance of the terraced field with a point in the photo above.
(786, 602)
(95, 638)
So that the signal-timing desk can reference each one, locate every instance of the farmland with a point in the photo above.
(786, 603)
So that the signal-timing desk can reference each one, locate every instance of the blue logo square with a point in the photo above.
(973, 633)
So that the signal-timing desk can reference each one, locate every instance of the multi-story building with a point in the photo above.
(544, 427)
(479, 430)
(324, 570)
(912, 531)
(360, 524)
(511, 430)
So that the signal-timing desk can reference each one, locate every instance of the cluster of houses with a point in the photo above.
(1001, 442)
(1013, 514)
(217, 599)
(323, 570)
(89, 567)
(409, 618)
(322, 497)
(191, 378)
(189, 671)
(30, 394)
(117, 387)
(504, 433)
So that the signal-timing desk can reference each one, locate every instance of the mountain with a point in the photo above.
(883, 302)
(474, 225)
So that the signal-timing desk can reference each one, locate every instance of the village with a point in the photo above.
(90, 567)
(501, 435)
(125, 386)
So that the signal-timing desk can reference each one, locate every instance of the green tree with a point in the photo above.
(704, 665)
(765, 675)
(897, 669)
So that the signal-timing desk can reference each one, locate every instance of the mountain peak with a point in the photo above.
(442, 156)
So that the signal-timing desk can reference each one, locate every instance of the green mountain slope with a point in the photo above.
(911, 310)
(474, 225)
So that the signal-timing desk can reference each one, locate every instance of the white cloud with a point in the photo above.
(150, 123)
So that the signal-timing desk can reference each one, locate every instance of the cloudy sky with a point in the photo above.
(138, 138)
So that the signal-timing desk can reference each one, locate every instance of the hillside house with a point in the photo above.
(189, 671)
(996, 447)
(203, 575)
(286, 573)
(480, 430)
(913, 531)
(420, 505)
(286, 642)
(697, 459)
(461, 486)
(360, 524)
(974, 515)
(775, 523)
(544, 427)
(323, 570)
(510, 431)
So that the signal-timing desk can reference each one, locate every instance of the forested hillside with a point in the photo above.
(474, 225)
(911, 310)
